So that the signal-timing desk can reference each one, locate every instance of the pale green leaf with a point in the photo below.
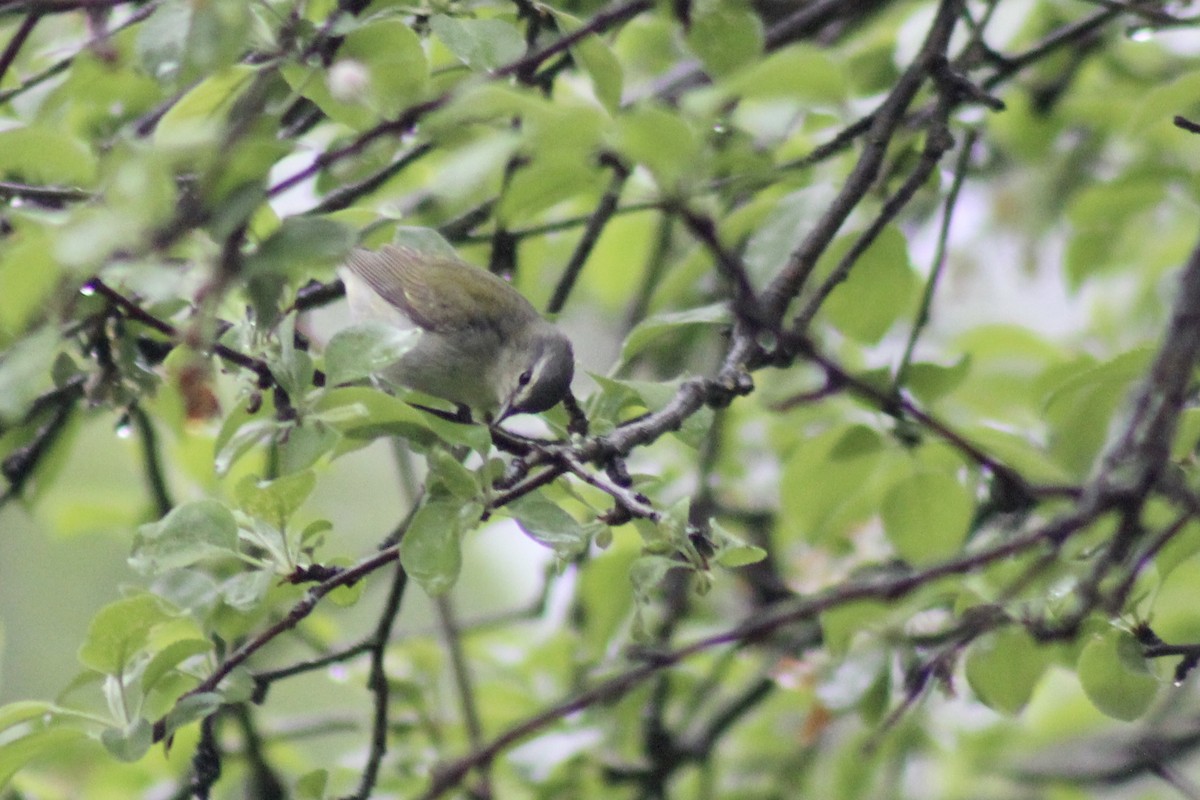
(189, 533)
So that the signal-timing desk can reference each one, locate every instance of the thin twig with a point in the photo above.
(591, 234)
(939, 259)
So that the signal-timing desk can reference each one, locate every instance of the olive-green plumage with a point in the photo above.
(482, 344)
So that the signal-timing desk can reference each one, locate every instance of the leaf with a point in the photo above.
(235, 441)
(448, 474)
(19, 752)
(170, 657)
(275, 501)
(311, 785)
(1175, 612)
(120, 630)
(1082, 404)
(189, 533)
(191, 708)
(431, 550)
(648, 330)
(364, 349)
(301, 242)
(128, 744)
(596, 59)
(740, 556)
(880, 288)
(397, 67)
(839, 625)
(43, 155)
(827, 483)
(25, 371)
(775, 237)
(216, 37)
(725, 35)
(481, 44)
(197, 120)
(1003, 668)
(362, 413)
(931, 382)
(803, 73)
(544, 521)
(662, 142)
(926, 516)
(1115, 676)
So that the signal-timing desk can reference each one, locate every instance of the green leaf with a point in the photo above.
(926, 516)
(359, 412)
(648, 330)
(305, 444)
(1115, 676)
(17, 753)
(1081, 405)
(170, 657)
(235, 441)
(804, 73)
(397, 68)
(189, 533)
(216, 37)
(311, 785)
(431, 550)
(128, 744)
(552, 177)
(28, 273)
(448, 473)
(1003, 668)
(544, 521)
(839, 625)
(880, 288)
(481, 44)
(365, 349)
(1175, 612)
(662, 142)
(198, 119)
(725, 35)
(740, 556)
(43, 155)
(191, 708)
(120, 630)
(827, 483)
(775, 236)
(275, 501)
(25, 371)
(931, 382)
(596, 59)
(162, 39)
(300, 243)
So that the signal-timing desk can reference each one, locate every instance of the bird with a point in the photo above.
(482, 345)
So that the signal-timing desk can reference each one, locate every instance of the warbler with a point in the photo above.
(482, 345)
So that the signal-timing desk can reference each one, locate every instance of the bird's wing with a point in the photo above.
(434, 290)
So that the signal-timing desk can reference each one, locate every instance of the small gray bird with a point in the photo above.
(482, 344)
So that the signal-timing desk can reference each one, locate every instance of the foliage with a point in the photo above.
(859, 510)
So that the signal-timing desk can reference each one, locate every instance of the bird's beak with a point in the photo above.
(506, 408)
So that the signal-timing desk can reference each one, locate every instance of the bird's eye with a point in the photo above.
(526, 376)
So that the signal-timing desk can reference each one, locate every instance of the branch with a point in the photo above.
(591, 234)
(377, 682)
(411, 115)
(939, 259)
(886, 120)
(18, 41)
(757, 627)
(298, 612)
